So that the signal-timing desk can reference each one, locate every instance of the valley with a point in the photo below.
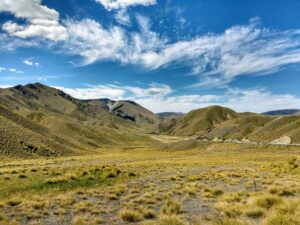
(70, 161)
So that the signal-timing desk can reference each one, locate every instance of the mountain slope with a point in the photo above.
(85, 124)
(128, 110)
(198, 121)
(22, 137)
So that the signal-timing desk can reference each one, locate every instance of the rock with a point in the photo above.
(282, 141)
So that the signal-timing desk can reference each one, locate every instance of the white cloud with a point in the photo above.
(5, 86)
(41, 20)
(10, 43)
(216, 58)
(90, 40)
(117, 92)
(2, 69)
(95, 92)
(93, 42)
(123, 17)
(29, 62)
(13, 70)
(161, 98)
(122, 4)
(260, 100)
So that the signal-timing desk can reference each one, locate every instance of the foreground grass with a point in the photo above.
(213, 184)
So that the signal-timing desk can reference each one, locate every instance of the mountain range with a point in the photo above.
(37, 120)
(282, 112)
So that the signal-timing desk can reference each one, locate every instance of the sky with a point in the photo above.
(167, 55)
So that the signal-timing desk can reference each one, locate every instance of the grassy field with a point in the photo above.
(218, 184)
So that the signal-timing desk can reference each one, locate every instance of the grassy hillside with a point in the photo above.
(22, 137)
(198, 121)
(239, 127)
(86, 125)
(257, 128)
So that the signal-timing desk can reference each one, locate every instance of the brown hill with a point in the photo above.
(88, 125)
(198, 121)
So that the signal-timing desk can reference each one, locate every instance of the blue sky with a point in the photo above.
(168, 55)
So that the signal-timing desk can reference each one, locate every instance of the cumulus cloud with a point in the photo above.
(93, 42)
(29, 62)
(162, 98)
(2, 69)
(41, 20)
(122, 4)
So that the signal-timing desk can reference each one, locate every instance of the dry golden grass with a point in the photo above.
(215, 184)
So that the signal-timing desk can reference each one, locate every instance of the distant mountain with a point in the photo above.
(168, 114)
(282, 112)
(88, 125)
(37, 120)
(128, 110)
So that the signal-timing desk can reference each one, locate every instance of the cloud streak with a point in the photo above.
(29, 62)
(123, 4)
(216, 58)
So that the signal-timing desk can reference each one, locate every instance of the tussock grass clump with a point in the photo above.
(38, 204)
(232, 197)
(130, 216)
(282, 191)
(217, 192)
(229, 221)
(149, 214)
(171, 220)
(13, 202)
(82, 206)
(112, 197)
(289, 207)
(22, 176)
(171, 207)
(281, 219)
(267, 201)
(254, 212)
(230, 210)
(81, 220)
